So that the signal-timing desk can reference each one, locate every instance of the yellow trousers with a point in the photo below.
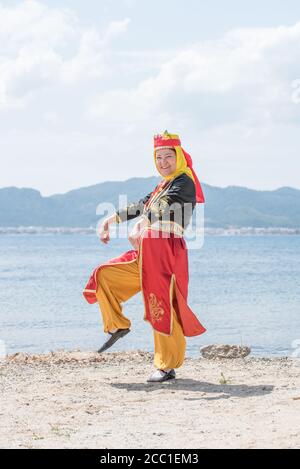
(118, 283)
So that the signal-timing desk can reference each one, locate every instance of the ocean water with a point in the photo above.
(244, 289)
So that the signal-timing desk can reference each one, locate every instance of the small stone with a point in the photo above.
(224, 351)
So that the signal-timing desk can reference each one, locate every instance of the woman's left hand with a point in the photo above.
(136, 232)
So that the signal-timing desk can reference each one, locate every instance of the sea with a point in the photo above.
(244, 289)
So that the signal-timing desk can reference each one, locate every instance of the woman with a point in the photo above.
(158, 264)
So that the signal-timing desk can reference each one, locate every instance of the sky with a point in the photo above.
(85, 84)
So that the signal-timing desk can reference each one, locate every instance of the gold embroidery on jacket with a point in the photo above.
(161, 192)
(156, 311)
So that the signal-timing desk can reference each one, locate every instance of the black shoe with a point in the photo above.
(161, 375)
(114, 336)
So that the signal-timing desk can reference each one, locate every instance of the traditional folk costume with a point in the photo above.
(159, 268)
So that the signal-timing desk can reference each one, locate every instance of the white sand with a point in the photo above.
(86, 400)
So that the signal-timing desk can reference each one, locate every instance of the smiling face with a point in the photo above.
(166, 161)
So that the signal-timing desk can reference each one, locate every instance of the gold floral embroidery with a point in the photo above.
(156, 311)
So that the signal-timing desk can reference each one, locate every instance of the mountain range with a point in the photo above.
(232, 206)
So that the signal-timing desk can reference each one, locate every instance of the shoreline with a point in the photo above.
(86, 400)
(231, 231)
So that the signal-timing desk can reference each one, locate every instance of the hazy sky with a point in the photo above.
(84, 85)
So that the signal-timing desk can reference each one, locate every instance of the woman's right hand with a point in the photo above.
(104, 232)
(104, 229)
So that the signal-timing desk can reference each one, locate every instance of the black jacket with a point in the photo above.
(175, 204)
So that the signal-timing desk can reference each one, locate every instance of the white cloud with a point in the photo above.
(33, 22)
(68, 90)
(114, 29)
(37, 41)
(89, 62)
(245, 75)
(51, 117)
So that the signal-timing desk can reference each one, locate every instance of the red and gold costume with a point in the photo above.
(159, 268)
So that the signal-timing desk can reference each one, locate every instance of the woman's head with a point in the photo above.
(171, 160)
(165, 159)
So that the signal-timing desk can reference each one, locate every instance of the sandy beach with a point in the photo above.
(86, 400)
